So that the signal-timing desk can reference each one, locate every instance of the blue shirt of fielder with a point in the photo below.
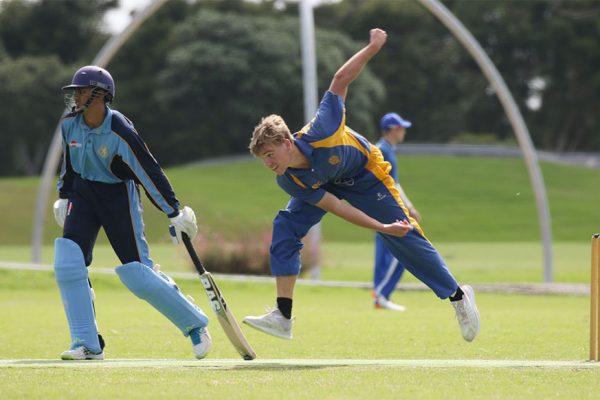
(347, 165)
(388, 271)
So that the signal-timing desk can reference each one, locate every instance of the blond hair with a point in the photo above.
(270, 130)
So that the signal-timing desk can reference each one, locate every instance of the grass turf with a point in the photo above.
(461, 200)
(352, 261)
(331, 324)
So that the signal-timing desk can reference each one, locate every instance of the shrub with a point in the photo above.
(245, 253)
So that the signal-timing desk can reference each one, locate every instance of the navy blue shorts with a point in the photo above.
(114, 207)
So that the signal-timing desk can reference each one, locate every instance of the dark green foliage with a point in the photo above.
(214, 75)
(198, 75)
(41, 44)
(69, 29)
(31, 104)
(419, 64)
(433, 81)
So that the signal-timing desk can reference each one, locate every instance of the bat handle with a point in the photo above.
(190, 248)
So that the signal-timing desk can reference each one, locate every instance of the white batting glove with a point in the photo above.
(60, 211)
(184, 222)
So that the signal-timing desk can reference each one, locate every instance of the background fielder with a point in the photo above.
(388, 271)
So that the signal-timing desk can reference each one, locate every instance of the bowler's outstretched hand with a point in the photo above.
(398, 228)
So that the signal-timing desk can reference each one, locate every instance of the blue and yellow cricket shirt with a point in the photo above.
(347, 165)
(335, 152)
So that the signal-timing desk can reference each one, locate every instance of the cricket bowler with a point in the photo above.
(322, 165)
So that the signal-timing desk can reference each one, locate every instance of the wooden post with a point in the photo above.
(594, 299)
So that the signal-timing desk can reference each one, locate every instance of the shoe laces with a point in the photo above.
(461, 311)
(271, 310)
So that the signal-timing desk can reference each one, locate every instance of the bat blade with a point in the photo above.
(226, 317)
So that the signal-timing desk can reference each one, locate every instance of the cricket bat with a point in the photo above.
(219, 306)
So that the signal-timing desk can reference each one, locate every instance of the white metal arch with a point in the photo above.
(516, 120)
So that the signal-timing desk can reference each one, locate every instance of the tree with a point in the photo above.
(419, 64)
(30, 91)
(435, 83)
(41, 44)
(215, 74)
(70, 29)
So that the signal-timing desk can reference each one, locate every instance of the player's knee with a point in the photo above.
(163, 294)
(284, 225)
(137, 277)
(280, 224)
(285, 264)
(69, 264)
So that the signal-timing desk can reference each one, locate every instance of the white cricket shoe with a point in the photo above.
(467, 314)
(201, 349)
(381, 303)
(81, 353)
(273, 323)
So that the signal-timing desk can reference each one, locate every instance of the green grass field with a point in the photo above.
(473, 262)
(461, 200)
(479, 213)
(331, 324)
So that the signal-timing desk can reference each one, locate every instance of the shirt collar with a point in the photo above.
(304, 147)
(388, 143)
(102, 128)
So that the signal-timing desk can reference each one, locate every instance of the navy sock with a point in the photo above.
(458, 295)
(284, 305)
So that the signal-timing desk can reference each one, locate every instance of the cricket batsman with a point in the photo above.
(105, 161)
(322, 165)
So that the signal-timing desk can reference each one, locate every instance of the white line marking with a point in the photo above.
(299, 363)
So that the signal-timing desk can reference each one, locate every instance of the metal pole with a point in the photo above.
(512, 111)
(309, 78)
(54, 152)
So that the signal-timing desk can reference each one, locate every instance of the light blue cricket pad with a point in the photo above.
(163, 294)
(72, 278)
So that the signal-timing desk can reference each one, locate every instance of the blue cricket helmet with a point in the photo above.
(92, 76)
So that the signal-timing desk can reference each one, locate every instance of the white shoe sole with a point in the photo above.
(268, 330)
(70, 357)
(395, 307)
(468, 291)
(201, 350)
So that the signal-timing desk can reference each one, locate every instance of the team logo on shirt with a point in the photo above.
(316, 185)
(73, 143)
(334, 160)
(103, 152)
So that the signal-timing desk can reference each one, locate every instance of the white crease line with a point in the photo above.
(300, 363)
